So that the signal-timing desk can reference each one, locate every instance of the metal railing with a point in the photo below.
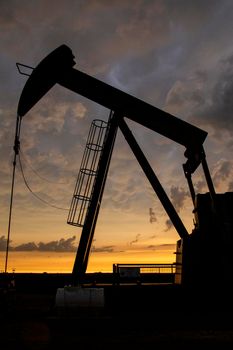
(145, 268)
(144, 273)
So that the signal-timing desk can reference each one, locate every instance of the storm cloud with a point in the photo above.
(175, 55)
(219, 111)
(223, 170)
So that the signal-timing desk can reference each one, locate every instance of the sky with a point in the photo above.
(175, 55)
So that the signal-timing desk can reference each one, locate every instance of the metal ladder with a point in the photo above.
(87, 173)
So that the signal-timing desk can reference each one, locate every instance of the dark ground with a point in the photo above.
(135, 317)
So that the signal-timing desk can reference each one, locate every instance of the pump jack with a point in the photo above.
(196, 252)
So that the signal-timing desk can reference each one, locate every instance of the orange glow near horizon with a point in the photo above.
(55, 262)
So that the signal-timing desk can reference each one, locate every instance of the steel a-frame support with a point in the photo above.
(154, 181)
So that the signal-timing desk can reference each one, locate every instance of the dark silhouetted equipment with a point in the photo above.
(200, 255)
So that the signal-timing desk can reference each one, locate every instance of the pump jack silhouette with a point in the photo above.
(196, 252)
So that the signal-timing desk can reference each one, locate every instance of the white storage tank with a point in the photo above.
(72, 300)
